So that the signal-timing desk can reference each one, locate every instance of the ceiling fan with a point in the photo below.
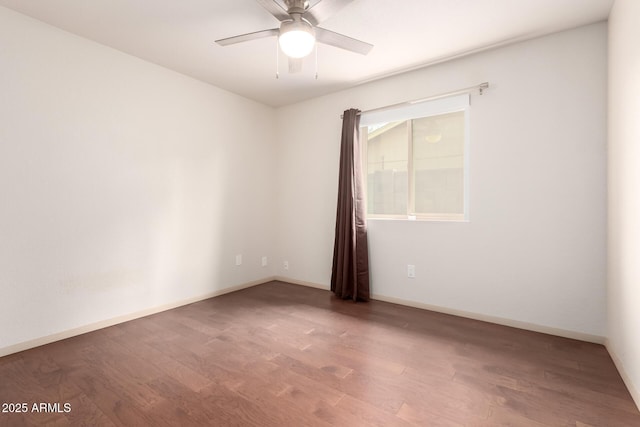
(299, 29)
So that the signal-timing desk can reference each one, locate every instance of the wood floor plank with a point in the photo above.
(505, 417)
(284, 355)
(367, 414)
(85, 412)
(420, 415)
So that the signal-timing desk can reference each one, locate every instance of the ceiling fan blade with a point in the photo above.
(275, 9)
(249, 36)
(323, 10)
(295, 65)
(342, 41)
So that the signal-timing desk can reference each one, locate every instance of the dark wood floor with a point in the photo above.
(285, 355)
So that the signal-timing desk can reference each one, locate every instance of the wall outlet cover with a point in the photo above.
(411, 271)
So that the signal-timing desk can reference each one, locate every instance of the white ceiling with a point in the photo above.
(407, 34)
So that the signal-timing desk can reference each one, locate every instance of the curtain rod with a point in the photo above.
(480, 87)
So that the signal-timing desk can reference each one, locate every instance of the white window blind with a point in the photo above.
(415, 110)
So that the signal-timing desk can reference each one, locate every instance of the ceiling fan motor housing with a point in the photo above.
(297, 6)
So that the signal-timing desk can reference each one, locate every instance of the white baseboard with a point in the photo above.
(633, 390)
(470, 315)
(26, 345)
(302, 283)
(497, 320)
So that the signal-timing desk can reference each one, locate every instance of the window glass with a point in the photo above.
(416, 166)
(387, 190)
(438, 164)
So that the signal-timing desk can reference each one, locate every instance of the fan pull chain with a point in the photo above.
(316, 61)
(277, 59)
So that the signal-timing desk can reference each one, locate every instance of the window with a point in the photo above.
(415, 160)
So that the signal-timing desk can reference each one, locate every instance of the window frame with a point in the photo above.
(440, 106)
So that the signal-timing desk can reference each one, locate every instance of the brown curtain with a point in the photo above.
(350, 274)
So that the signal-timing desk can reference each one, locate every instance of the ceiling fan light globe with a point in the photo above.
(296, 39)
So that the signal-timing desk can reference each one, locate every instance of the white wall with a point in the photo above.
(123, 186)
(624, 197)
(534, 249)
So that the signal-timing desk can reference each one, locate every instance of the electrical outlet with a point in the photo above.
(264, 261)
(285, 265)
(239, 259)
(411, 271)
